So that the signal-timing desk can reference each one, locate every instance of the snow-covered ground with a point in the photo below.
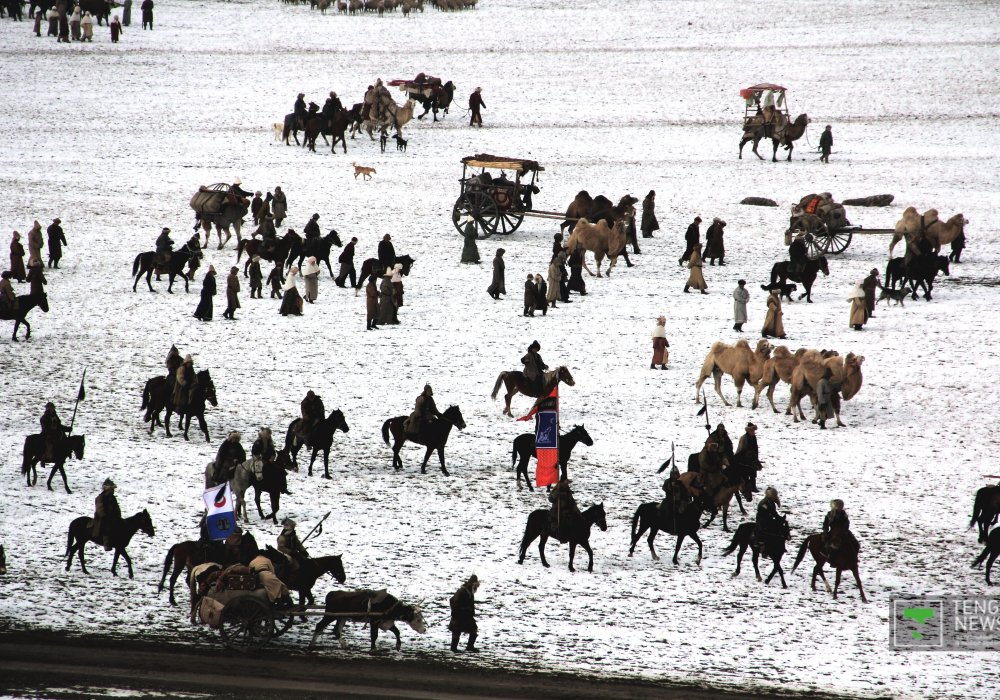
(609, 97)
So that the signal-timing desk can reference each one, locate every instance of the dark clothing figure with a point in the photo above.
(564, 273)
(8, 298)
(256, 279)
(826, 144)
(185, 383)
(541, 292)
(371, 305)
(630, 235)
(127, 13)
(424, 412)
(313, 412)
(263, 449)
(529, 296)
(836, 530)
(836, 519)
(716, 249)
(676, 498)
(36, 279)
(311, 229)
(470, 251)
(17, 259)
(564, 510)
(768, 520)
(649, 222)
(534, 368)
(825, 402)
(957, 246)
(147, 14)
(256, 204)
(204, 310)
(870, 284)
(346, 261)
(289, 543)
(576, 281)
(497, 286)
(116, 30)
(230, 454)
(476, 104)
(299, 108)
(692, 237)
(57, 239)
(386, 253)
(279, 206)
(386, 305)
(747, 457)
(463, 614)
(107, 515)
(164, 247)
(276, 279)
(53, 431)
(232, 295)
(798, 254)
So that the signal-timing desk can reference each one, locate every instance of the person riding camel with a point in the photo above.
(289, 544)
(8, 298)
(768, 520)
(230, 454)
(836, 528)
(313, 412)
(185, 381)
(381, 102)
(107, 515)
(534, 367)
(53, 431)
(424, 412)
(238, 195)
(564, 509)
(164, 249)
(747, 458)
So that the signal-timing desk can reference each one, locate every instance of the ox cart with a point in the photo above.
(825, 226)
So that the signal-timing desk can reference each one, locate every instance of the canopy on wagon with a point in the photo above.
(745, 93)
(485, 160)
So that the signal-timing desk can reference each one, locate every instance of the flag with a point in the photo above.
(81, 395)
(221, 517)
(547, 439)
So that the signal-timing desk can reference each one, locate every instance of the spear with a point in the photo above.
(663, 467)
(80, 396)
(704, 411)
(317, 528)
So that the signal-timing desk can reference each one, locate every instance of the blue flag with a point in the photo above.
(221, 517)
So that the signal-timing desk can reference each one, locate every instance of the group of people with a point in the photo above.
(74, 24)
(32, 272)
(715, 250)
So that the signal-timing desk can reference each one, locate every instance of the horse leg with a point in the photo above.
(677, 547)
(397, 461)
(649, 540)
(739, 502)
(203, 425)
(694, 536)
(256, 499)
(739, 559)
(725, 517)
(572, 554)
(590, 554)
(187, 425)
(989, 566)
(756, 562)
(836, 583)
(507, 398)
(542, 539)
(114, 562)
(311, 460)
(326, 463)
(857, 579)
(275, 504)
(440, 452)
(62, 472)
(128, 562)
(427, 456)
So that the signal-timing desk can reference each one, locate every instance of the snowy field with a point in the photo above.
(609, 97)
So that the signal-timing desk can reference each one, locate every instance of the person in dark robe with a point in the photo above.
(692, 237)
(386, 252)
(470, 251)
(232, 293)
(147, 14)
(463, 614)
(208, 289)
(497, 286)
(57, 239)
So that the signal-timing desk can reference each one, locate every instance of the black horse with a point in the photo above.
(318, 248)
(783, 271)
(919, 272)
(440, 99)
(184, 555)
(989, 554)
(524, 450)
(335, 127)
(433, 436)
(157, 395)
(25, 303)
(273, 481)
(320, 438)
(80, 533)
(577, 532)
(773, 548)
(292, 125)
(649, 516)
(302, 578)
(372, 266)
(985, 510)
(145, 264)
(34, 452)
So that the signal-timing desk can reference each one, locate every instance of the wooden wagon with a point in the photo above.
(823, 237)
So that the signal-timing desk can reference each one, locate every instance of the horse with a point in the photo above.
(145, 264)
(373, 266)
(648, 516)
(190, 553)
(524, 450)
(846, 559)
(514, 382)
(318, 248)
(355, 116)
(377, 608)
(782, 134)
(783, 271)
(985, 509)
(98, 9)
(273, 481)
(157, 395)
(990, 552)
(34, 452)
(278, 253)
(599, 238)
(578, 533)
(433, 436)
(305, 576)
(734, 483)
(440, 99)
(335, 126)
(18, 314)
(920, 271)
(773, 548)
(292, 124)
(80, 533)
(320, 438)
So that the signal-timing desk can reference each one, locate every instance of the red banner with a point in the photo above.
(547, 440)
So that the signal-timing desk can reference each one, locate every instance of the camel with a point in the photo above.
(603, 241)
(806, 377)
(912, 223)
(941, 233)
(739, 362)
(783, 134)
(778, 367)
(577, 209)
(394, 116)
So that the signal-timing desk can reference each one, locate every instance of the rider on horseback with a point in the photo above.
(564, 509)
(424, 412)
(312, 413)
(836, 529)
(185, 381)
(230, 454)
(53, 431)
(768, 519)
(798, 254)
(107, 515)
(164, 248)
(677, 498)
(263, 451)
(289, 544)
(8, 299)
(747, 459)
(299, 110)
(534, 367)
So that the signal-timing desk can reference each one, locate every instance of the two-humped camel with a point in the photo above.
(808, 373)
(738, 361)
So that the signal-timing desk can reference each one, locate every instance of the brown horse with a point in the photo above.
(739, 486)
(190, 553)
(277, 254)
(514, 382)
(81, 532)
(846, 559)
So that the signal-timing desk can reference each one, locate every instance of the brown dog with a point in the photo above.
(362, 170)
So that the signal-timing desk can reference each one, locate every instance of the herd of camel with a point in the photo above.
(938, 232)
(380, 7)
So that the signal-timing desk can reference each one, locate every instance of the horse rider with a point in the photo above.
(263, 449)
(53, 430)
(677, 498)
(424, 412)
(312, 233)
(747, 458)
(368, 103)
(290, 545)
(312, 413)
(335, 105)
(299, 110)
(8, 298)
(382, 100)
(564, 509)
(238, 195)
(768, 520)
(268, 234)
(836, 527)
(534, 367)
(798, 254)
(185, 381)
(164, 249)
(230, 454)
(107, 515)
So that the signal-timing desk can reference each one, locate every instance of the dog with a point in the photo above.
(400, 143)
(383, 139)
(279, 130)
(892, 295)
(786, 289)
(362, 170)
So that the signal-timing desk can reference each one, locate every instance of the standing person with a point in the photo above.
(371, 304)
(397, 285)
(346, 261)
(476, 104)
(575, 262)
(957, 246)
(386, 252)
(107, 515)
(630, 233)
(87, 24)
(695, 278)
(53, 17)
(773, 325)
(692, 237)
(740, 298)
(310, 277)
(256, 204)
(232, 293)
(279, 206)
(555, 277)
(36, 279)
(256, 279)
(660, 344)
(470, 251)
(386, 309)
(116, 29)
(17, 258)
(870, 284)
(276, 279)
(35, 242)
(857, 299)
(529, 296)
(291, 301)
(127, 13)
(649, 222)
(715, 247)
(463, 614)
(824, 398)
(57, 239)
(826, 143)
(497, 286)
(63, 22)
(541, 295)
(38, 23)
(204, 310)
(74, 24)
(147, 14)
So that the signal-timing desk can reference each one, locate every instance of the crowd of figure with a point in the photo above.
(68, 22)
(31, 273)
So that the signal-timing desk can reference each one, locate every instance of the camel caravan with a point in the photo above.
(924, 234)
(802, 370)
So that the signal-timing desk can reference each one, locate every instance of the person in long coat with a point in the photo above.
(497, 286)
(35, 242)
(555, 275)
(87, 25)
(36, 279)
(291, 300)
(649, 222)
(279, 206)
(204, 310)
(463, 614)
(857, 299)
(276, 279)
(147, 14)
(740, 298)
(256, 279)
(871, 284)
(116, 29)
(74, 24)
(529, 296)
(346, 261)
(232, 293)
(53, 18)
(17, 258)
(57, 239)
(127, 13)
(695, 278)
(541, 294)
(470, 251)
(575, 262)
(371, 304)
(386, 308)
(692, 237)
(824, 398)
(310, 277)
(773, 325)
(386, 252)
(630, 234)
(715, 246)
(660, 344)
(397, 285)
(476, 106)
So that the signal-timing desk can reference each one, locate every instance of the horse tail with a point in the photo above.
(635, 522)
(734, 544)
(977, 505)
(69, 541)
(166, 567)
(801, 555)
(496, 387)
(26, 460)
(513, 457)
(135, 264)
(385, 431)
(526, 540)
(147, 397)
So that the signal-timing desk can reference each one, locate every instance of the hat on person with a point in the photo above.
(388, 272)
(697, 219)
(472, 581)
(256, 258)
(57, 220)
(165, 230)
(257, 193)
(751, 426)
(301, 94)
(264, 431)
(288, 522)
(661, 318)
(234, 432)
(428, 390)
(874, 271)
(741, 282)
(479, 89)
(108, 484)
(315, 216)
(188, 358)
(237, 181)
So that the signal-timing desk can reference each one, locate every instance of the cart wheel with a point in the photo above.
(247, 623)
(508, 222)
(816, 244)
(838, 242)
(482, 208)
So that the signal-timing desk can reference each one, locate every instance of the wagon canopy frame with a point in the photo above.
(496, 204)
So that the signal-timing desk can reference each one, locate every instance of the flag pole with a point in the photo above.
(317, 526)
(79, 397)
